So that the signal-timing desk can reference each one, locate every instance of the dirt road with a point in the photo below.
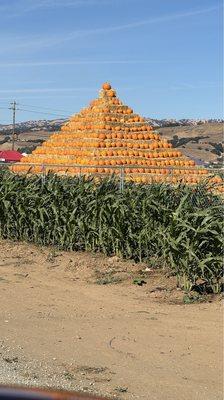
(63, 326)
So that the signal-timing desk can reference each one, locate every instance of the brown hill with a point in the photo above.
(203, 143)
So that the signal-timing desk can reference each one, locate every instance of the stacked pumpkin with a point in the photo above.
(106, 135)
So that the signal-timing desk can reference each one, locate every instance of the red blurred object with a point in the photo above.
(18, 393)
(10, 155)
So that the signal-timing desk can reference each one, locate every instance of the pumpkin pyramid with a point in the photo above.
(107, 135)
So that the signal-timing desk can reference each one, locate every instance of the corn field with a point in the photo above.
(173, 224)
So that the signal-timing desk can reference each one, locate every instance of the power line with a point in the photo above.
(4, 103)
(14, 108)
(45, 108)
(42, 112)
(36, 112)
(48, 110)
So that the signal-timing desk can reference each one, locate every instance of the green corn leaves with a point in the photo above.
(177, 225)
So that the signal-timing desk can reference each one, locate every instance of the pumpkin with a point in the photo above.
(106, 86)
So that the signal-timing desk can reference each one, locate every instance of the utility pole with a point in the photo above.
(13, 108)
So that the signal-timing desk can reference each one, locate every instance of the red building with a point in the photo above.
(10, 156)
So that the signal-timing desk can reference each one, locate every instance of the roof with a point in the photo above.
(10, 155)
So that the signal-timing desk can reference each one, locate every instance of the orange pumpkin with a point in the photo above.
(106, 86)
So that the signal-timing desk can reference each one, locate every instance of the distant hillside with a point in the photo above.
(203, 143)
(55, 124)
(160, 123)
(27, 126)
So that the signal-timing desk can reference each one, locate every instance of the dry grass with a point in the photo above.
(202, 150)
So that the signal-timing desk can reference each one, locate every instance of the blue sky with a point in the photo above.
(162, 56)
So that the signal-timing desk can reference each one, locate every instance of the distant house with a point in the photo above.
(8, 156)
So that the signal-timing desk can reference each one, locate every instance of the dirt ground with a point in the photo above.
(76, 321)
